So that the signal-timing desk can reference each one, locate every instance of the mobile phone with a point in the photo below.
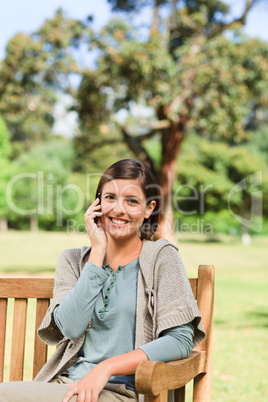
(96, 219)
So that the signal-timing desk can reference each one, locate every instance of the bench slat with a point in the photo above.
(40, 348)
(3, 315)
(193, 283)
(18, 340)
(26, 288)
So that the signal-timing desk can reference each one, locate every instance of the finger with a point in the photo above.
(92, 214)
(88, 218)
(96, 201)
(94, 396)
(88, 397)
(81, 396)
(70, 394)
(97, 213)
(92, 208)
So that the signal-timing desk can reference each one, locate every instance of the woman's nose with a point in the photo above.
(119, 207)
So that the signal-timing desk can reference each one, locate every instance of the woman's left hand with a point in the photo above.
(89, 388)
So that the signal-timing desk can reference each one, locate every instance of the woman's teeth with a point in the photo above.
(118, 222)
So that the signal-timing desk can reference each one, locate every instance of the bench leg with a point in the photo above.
(202, 388)
(162, 397)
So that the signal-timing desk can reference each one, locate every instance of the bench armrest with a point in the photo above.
(153, 377)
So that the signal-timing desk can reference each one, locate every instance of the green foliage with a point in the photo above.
(228, 83)
(5, 147)
(35, 67)
(39, 187)
(5, 166)
(257, 142)
(24, 102)
(208, 172)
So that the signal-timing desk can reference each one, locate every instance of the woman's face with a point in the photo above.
(123, 204)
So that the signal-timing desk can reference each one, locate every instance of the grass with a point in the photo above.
(240, 352)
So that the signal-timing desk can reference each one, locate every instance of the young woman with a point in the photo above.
(121, 301)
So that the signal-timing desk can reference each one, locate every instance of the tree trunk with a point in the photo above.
(3, 224)
(34, 223)
(171, 144)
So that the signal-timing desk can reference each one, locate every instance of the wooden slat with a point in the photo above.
(205, 302)
(193, 283)
(40, 348)
(41, 288)
(3, 320)
(18, 340)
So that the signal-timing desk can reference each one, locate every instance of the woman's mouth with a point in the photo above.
(119, 222)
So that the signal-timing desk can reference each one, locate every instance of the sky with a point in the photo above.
(28, 15)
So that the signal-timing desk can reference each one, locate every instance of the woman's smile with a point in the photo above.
(119, 221)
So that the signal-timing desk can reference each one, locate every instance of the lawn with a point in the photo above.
(240, 351)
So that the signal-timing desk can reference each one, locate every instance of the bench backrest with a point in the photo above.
(20, 290)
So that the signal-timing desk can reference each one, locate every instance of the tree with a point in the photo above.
(5, 171)
(36, 69)
(186, 71)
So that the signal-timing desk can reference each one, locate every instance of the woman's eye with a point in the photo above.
(132, 201)
(109, 197)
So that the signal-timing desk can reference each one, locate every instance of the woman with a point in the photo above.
(121, 301)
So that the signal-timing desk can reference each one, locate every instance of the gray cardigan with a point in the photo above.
(164, 300)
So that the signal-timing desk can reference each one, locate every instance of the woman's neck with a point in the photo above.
(122, 252)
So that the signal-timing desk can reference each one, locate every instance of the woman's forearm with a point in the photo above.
(124, 364)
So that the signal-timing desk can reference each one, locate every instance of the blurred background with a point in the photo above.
(182, 86)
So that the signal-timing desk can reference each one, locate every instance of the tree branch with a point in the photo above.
(242, 20)
(154, 127)
(135, 146)
(155, 23)
(92, 147)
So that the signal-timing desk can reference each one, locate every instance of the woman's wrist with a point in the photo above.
(97, 255)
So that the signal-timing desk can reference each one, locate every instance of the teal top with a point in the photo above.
(108, 299)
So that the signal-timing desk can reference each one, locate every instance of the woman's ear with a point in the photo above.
(149, 209)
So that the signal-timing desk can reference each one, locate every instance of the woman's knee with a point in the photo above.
(32, 391)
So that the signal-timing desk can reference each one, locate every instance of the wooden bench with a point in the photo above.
(152, 378)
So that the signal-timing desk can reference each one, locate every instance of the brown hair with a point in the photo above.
(130, 169)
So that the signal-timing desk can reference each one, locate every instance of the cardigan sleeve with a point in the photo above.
(66, 276)
(175, 303)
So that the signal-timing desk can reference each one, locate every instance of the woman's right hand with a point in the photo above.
(96, 232)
